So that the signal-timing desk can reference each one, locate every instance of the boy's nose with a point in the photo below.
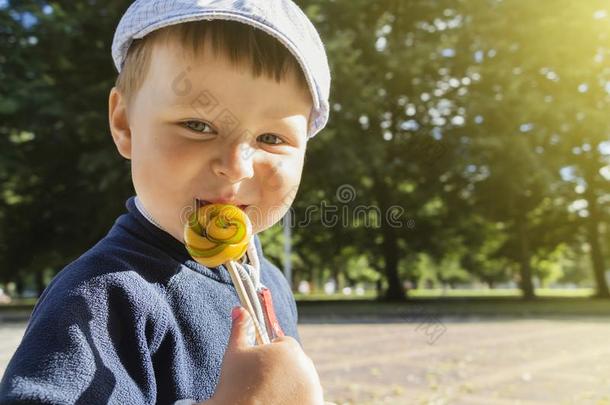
(235, 162)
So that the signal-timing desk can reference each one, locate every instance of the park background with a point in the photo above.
(487, 122)
(464, 171)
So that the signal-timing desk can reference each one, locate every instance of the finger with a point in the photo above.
(242, 330)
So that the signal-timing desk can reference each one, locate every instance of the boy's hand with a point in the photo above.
(276, 373)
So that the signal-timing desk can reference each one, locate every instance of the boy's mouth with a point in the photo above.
(202, 202)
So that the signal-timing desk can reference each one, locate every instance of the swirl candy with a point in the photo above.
(217, 233)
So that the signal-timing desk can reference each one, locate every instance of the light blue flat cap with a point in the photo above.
(282, 19)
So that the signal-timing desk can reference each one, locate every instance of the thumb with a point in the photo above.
(242, 330)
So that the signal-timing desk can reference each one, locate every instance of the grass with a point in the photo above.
(456, 303)
(457, 306)
(317, 296)
(502, 292)
(460, 303)
(440, 293)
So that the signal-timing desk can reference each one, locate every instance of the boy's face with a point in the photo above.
(200, 128)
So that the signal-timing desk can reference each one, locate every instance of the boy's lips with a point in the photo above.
(223, 201)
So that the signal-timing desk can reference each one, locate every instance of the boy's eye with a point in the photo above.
(196, 126)
(270, 138)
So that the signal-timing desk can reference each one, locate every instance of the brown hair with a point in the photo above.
(239, 42)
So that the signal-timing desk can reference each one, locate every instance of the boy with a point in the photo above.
(215, 100)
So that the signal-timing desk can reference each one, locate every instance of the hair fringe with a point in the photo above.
(243, 45)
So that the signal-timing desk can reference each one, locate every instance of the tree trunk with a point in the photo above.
(597, 256)
(524, 260)
(314, 279)
(19, 285)
(379, 287)
(389, 248)
(321, 281)
(39, 279)
(334, 271)
(395, 291)
(311, 272)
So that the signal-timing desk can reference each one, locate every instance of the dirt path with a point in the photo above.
(482, 362)
(450, 362)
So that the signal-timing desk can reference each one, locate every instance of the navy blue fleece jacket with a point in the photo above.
(134, 320)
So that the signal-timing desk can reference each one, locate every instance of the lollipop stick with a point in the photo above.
(245, 301)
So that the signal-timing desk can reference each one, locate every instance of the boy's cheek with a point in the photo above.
(281, 174)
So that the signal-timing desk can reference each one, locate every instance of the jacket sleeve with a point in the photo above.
(89, 345)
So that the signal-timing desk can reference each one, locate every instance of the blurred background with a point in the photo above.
(486, 121)
(467, 158)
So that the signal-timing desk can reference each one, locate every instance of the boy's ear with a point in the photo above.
(119, 123)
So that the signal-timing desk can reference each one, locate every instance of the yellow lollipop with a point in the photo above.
(217, 233)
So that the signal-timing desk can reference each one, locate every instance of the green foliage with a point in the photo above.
(485, 121)
(62, 182)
